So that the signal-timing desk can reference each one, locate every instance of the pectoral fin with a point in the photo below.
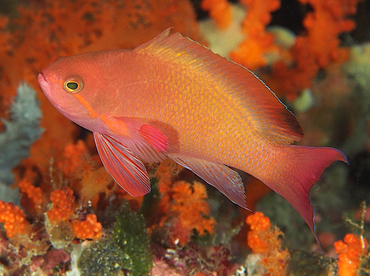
(154, 137)
(126, 168)
(144, 140)
(226, 180)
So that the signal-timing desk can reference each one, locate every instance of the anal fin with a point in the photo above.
(226, 180)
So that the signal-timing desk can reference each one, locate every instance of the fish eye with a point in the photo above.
(73, 85)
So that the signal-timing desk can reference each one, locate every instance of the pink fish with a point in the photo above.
(172, 97)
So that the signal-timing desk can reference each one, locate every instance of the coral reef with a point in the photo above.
(352, 252)
(63, 205)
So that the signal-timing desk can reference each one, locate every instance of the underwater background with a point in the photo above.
(62, 214)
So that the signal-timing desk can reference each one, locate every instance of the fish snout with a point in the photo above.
(44, 85)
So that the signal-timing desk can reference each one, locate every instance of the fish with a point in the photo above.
(172, 97)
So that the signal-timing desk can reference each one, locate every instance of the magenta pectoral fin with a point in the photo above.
(299, 172)
(126, 169)
(226, 180)
(154, 137)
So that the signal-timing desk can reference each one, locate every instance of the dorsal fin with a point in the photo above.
(268, 115)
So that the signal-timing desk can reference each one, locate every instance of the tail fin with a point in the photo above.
(299, 172)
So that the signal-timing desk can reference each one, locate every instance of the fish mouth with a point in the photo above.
(44, 85)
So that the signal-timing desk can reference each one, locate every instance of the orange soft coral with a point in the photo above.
(324, 25)
(350, 251)
(77, 160)
(219, 10)
(82, 172)
(187, 210)
(265, 240)
(193, 209)
(14, 220)
(63, 205)
(252, 51)
(259, 224)
(33, 193)
(87, 229)
(165, 172)
(317, 49)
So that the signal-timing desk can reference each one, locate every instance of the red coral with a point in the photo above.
(190, 204)
(324, 25)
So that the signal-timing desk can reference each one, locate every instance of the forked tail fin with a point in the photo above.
(301, 168)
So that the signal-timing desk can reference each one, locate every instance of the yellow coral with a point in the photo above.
(87, 229)
(14, 220)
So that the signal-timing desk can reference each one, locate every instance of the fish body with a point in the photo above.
(172, 97)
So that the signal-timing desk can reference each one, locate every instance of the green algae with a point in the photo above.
(131, 235)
